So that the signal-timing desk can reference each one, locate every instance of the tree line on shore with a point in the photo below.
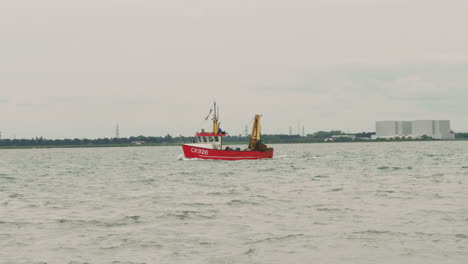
(319, 136)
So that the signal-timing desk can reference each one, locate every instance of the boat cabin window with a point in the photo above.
(207, 139)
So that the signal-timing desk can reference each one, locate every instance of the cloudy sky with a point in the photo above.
(77, 68)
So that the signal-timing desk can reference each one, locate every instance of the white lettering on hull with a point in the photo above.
(199, 151)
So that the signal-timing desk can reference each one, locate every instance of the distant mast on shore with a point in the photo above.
(117, 131)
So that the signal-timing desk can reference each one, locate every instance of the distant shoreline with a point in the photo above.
(89, 146)
(227, 143)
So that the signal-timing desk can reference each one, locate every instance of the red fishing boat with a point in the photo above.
(209, 145)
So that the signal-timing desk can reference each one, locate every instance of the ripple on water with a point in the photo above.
(240, 203)
(198, 204)
(275, 238)
(191, 214)
(376, 233)
(250, 251)
(127, 220)
(224, 193)
(385, 191)
(268, 169)
(326, 209)
(15, 195)
(394, 168)
(6, 176)
(321, 176)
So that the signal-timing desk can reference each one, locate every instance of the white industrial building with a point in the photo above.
(438, 129)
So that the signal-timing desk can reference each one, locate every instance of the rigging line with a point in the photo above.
(203, 120)
(211, 110)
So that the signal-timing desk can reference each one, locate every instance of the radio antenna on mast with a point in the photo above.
(215, 114)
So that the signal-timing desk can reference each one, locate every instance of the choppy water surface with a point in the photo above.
(313, 203)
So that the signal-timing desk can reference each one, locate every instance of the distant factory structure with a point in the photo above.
(437, 129)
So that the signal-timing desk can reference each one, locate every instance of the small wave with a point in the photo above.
(326, 209)
(205, 243)
(423, 234)
(197, 204)
(385, 191)
(283, 156)
(394, 168)
(147, 181)
(461, 236)
(267, 169)
(260, 196)
(240, 202)
(120, 222)
(319, 223)
(321, 176)
(21, 223)
(187, 214)
(6, 176)
(216, 193)
(270, 239)
(125, 262)
(229, 192)
(181, 216)
(375, 232)
(15, 195)
(296, 190)
(250, 251)
(336, 189)
(182, 157)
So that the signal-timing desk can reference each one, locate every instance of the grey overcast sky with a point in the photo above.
(77, 68)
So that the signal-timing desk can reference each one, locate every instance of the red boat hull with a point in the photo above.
(216, 154)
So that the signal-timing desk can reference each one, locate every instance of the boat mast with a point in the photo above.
(255, 137)
(215, 120)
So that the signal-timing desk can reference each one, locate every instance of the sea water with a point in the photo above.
(312, 203)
